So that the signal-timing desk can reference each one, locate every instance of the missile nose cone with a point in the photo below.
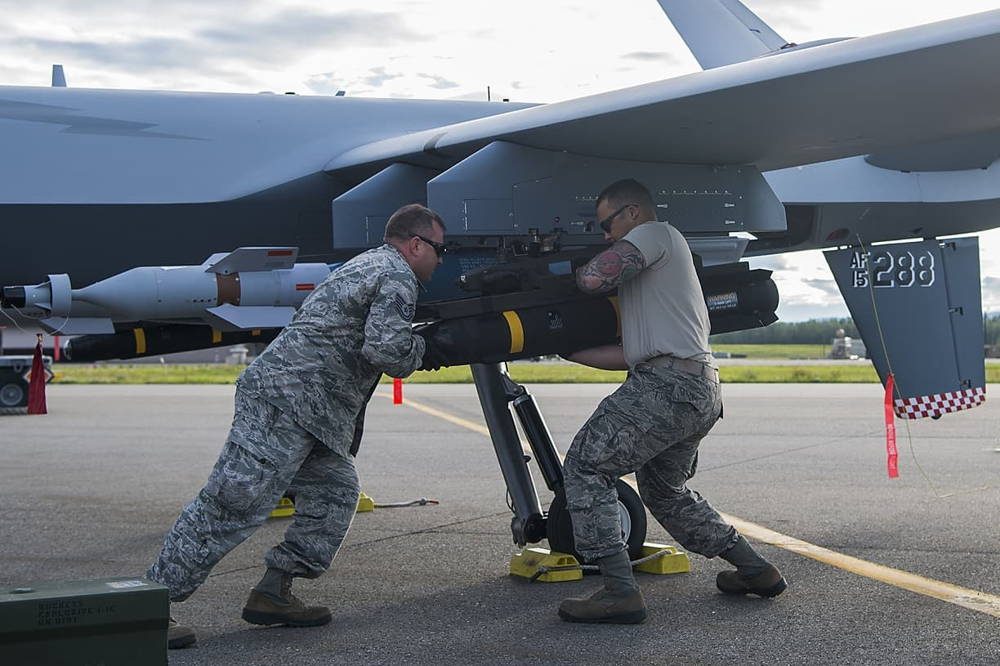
(13, 297)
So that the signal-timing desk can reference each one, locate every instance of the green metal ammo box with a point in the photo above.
(100, 622)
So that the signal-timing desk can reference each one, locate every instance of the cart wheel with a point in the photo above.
(631, 512)
(11, 395)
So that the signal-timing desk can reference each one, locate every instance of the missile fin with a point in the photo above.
(246, 259)
(228, 317)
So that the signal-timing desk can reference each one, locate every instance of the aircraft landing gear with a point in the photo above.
(631, 512)
(497, 393)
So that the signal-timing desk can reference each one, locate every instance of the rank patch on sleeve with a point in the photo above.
(405, 309)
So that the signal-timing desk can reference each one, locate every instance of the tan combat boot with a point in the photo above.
(767, 583)
(179, 636)
(618, 602)
(265, 607)
(753, 575)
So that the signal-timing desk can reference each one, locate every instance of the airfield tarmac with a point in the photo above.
(89, 490)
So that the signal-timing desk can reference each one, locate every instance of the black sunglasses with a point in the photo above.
(605, 224)
(440, 249)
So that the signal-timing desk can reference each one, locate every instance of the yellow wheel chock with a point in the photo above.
(672, 561)
(365, 504)
(547, 566)
(285, 508)
(542, 564)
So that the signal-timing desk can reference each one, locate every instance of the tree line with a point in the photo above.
(821, 331)
(810, 332)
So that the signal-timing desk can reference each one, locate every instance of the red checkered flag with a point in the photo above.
(36, 382)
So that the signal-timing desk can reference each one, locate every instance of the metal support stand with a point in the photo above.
(496, 393)
(537, 433)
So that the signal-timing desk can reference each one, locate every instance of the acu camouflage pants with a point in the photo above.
(265, 454)
(652, 426)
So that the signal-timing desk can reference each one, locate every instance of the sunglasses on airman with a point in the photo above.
(440, 249)
(605, 224)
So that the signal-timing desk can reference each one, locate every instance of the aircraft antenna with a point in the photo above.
(58, 77)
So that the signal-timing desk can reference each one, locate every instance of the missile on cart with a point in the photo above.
(737, 299)
(248, 288)
(156, 340)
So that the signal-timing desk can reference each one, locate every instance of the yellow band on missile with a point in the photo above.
(140, 340)
(618, 314)
(216, 336)
(516, 331)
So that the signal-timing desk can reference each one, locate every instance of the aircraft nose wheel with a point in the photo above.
(631, 512)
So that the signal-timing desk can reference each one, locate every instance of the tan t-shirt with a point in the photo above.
(662, 308)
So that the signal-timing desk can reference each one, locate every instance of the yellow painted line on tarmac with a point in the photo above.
(953, 594)
(450, 418)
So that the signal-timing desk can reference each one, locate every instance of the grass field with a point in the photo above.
(793, 352)
(530, 373)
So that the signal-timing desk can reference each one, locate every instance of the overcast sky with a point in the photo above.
(528, 51)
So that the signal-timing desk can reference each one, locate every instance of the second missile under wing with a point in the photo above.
(519, 308)
(249, 288)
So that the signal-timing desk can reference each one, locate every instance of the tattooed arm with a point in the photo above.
(621, 262)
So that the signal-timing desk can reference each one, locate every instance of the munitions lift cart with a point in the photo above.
(498, 393)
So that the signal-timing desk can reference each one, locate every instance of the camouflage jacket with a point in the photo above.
(353, 327)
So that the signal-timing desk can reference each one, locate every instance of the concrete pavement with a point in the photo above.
(90, 489)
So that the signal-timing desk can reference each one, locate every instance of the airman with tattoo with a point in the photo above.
(652, 425)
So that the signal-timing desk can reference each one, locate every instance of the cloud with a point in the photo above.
(377, 76)
(325, 83)
(287, 31)
(440, 82)
(653, 56)
(804, 311)
(43, 74)
(154, 53)
(805, 287)
(991, 294)
(328, 83)
(774, 262)
(123, 6)
(828, 287)
(220, 47)
(793, 295)
(787, 14)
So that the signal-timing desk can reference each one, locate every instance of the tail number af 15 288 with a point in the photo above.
(892, 268)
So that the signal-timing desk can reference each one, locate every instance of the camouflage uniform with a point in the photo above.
(651, 425)
(298, 420)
